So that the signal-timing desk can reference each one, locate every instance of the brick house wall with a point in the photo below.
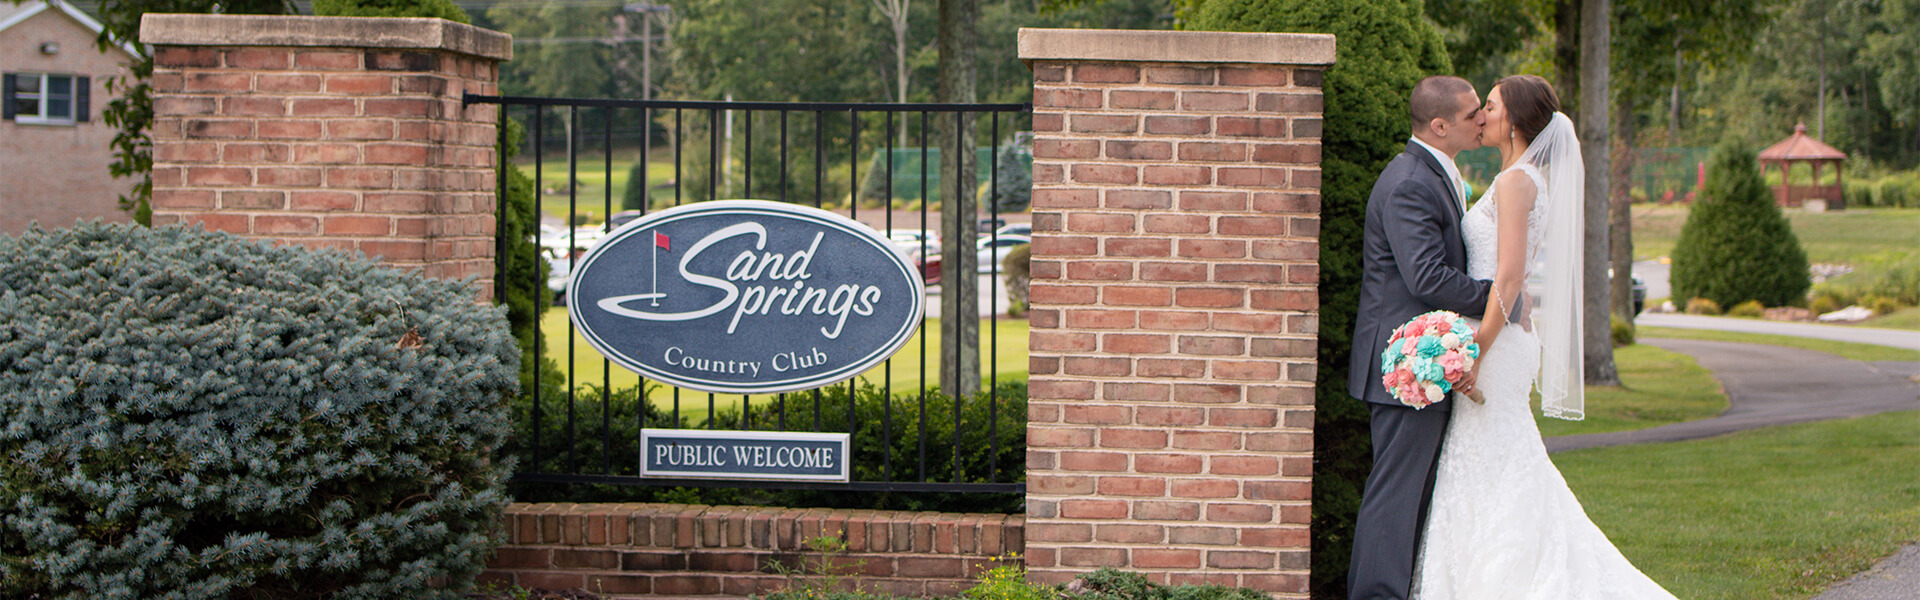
(334, 132)
(56, 174)
(1175, 264)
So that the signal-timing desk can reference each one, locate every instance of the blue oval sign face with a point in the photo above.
(746, 297)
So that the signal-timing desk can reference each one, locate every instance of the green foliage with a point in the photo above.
(635, 197)
(1703, 306)
(1891, 274)
(1622, 332)
(1009, 582)
(1109, 583)
(1751, 309)
(441, 9)
(1385, 47)
(1013, 178)
(1898, 191)
(1736, 245)
(1881, 305)
(1018, 269)
(191, 415)
(991, 437)
(520, 270)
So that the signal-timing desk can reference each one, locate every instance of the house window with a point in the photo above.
(46, 98)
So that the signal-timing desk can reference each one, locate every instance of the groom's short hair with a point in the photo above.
(1437, 97)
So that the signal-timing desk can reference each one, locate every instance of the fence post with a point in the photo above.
(1175, 262)
(333, 132)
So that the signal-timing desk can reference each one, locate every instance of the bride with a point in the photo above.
(1503, 522)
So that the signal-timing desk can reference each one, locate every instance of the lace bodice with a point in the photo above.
(1481, 229)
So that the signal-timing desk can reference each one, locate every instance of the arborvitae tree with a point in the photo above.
(191, 415)
(1737, 245)
(1385, 47)
(635, 197)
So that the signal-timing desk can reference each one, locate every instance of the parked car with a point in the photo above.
(1019, 229)
(988, 254)
(910, 242)
(560, 271)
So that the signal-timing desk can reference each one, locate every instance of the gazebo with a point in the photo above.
(1800, 147)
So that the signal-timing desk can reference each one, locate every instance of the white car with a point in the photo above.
(909, 242)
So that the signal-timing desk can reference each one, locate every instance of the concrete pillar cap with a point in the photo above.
(1122, 45)
(398, 33)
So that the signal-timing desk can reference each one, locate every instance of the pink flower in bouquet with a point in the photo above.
(1426, 357)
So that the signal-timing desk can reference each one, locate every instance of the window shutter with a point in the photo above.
(82, 98)
(6, 96)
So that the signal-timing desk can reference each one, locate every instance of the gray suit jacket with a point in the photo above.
(1413, 260)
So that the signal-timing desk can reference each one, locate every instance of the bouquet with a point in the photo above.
(1427, 357)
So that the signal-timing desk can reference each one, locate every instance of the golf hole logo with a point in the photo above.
(746, 296)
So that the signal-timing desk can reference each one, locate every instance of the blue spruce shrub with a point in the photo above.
(185, 414)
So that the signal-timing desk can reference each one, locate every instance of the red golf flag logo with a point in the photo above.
(660, 241)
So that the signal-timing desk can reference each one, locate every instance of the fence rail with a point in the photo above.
(832, 137)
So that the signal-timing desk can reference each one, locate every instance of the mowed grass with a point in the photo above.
(1006, 363)
(1829, 237)
(1861, 352)
(1906, 318)
(1657, 388)
(592, 176)
(1781, 512)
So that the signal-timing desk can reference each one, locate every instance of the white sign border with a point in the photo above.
(652, 219)
(844, 440)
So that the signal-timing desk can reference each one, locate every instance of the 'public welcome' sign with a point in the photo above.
(746, 296)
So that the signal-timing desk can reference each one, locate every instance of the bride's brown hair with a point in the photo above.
(1531, 103)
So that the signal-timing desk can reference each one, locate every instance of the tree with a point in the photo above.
(1736, 245)
(1596, 20)
(1651, 40)
(440, 9)
(132, 111)
(959, 300)
(1385, 47)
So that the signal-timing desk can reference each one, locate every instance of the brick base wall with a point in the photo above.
(684, 550)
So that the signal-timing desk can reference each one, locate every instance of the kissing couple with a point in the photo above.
(1462, 502)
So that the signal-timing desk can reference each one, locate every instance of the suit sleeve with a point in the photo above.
(1412, 226)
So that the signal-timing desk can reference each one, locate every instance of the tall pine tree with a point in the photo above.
(1737, 245)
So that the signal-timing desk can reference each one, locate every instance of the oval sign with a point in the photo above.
(746, 297)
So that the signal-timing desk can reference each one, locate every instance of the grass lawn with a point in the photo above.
(1782, 512)
(1864, 352)
(1010, 358)
(592, 174)
(1905, 318)
(1659, 388)
(1836, 236)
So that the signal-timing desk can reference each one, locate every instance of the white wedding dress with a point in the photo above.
(1503, 524)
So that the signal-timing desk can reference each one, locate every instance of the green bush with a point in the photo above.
(1385, 48)
(1858, 195)
(1881, 305)
(1737, 245)
(1823, 303)
(1703, 306)
(1893, 274)
(1751, 309)
(1018, 269)
(613, 430)
(443, 9)
(1109, 583)
(1623, 334)
(191, 415)
(1897, 191)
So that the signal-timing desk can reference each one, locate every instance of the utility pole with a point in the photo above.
(646, 12)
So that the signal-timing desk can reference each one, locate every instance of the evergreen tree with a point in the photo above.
(1737, 245)
(635, 197)
(1385, 47)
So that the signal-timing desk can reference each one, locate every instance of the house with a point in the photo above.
(54, 147)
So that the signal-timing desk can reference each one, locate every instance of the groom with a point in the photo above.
(1413, 261)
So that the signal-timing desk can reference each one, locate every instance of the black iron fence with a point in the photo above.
(905, 435)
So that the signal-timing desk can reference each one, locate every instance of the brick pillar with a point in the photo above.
(330, 132)
(1176, 216)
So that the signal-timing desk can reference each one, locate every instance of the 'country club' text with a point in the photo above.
(749, 269)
